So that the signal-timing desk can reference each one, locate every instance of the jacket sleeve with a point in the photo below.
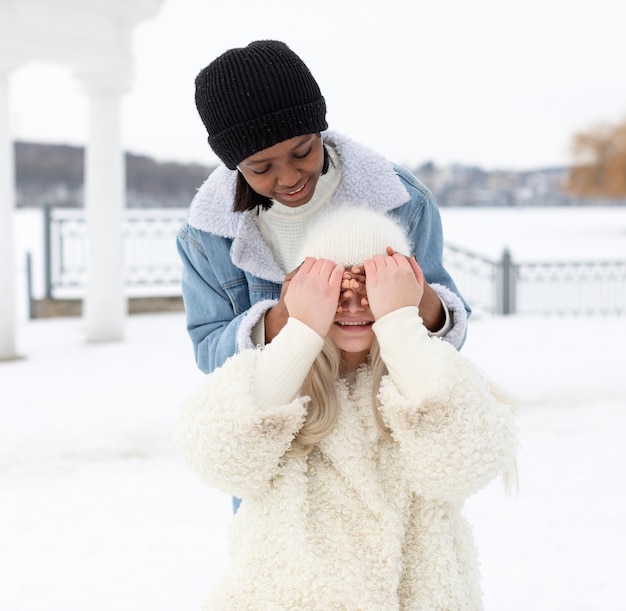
(422, 218)
(454, 434)
(236, 429)
(227, 440)
(214, 323)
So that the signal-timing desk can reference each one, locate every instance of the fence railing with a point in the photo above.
(151, 264)
(547, 288)
(502, 286)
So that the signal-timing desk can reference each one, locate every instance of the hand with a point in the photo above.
(353, 282)
(393, 282)
(313, 293)
(431, 310)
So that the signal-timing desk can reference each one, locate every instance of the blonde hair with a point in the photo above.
(323, 407)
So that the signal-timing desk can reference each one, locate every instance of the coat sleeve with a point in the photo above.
(230, 442)
(212, 320)
(219, 313)
(454, 434)
(422, 219)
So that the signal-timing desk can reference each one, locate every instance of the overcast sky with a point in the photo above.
(500, 84)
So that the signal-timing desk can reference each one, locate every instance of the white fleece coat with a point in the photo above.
(361, 523)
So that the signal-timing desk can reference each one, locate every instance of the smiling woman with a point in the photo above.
(286, 172)
(265, 118)
(352, 440)
(350, 236)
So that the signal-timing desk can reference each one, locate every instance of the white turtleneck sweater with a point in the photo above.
(283, 227)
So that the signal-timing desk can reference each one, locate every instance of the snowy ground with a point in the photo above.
(98, 512)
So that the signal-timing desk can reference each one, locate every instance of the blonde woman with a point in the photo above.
(352, 439)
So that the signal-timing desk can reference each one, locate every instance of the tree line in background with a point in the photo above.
(52, 174)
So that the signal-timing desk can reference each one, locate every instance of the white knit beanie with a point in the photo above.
(349, 235)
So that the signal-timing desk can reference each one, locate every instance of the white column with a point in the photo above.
(104, 305)
(7, 206)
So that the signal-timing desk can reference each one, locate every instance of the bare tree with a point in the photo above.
(599, 169)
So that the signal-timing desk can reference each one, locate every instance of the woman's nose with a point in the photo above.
(288, 176)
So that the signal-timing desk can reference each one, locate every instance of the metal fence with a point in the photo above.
(546, 288)
(503, 286)
(151, 264)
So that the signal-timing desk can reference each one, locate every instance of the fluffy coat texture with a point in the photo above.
(361, 523)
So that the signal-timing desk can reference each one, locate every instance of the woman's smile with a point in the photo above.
(293, 196)
(354, 326)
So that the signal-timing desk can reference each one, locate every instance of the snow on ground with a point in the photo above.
(98, 511)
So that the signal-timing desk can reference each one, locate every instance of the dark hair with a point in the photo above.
(246, 198)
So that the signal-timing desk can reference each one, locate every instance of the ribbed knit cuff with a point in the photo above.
(404, 344)
(284, 363)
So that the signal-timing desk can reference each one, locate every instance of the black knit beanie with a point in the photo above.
(254, 97)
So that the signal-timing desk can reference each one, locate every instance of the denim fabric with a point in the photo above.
(218, 295)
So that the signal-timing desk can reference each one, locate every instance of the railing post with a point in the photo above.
(506, 289)
(47, 250)
(29, 286)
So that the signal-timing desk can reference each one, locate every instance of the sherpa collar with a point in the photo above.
(367, 178)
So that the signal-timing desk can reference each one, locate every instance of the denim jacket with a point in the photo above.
(230, 278)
